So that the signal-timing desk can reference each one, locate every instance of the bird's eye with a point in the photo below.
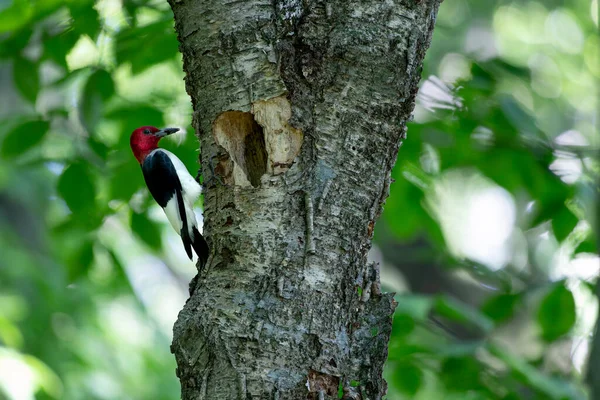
(147, 131)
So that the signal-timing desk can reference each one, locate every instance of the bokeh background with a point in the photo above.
(488, 236)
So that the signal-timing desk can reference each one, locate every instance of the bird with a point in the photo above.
(171, 186)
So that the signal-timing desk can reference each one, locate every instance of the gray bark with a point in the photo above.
(300, 107)
(593, 365)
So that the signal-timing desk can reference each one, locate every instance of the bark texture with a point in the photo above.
(300, 106)
(593, 365)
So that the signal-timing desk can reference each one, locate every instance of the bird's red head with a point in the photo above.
(145, 139)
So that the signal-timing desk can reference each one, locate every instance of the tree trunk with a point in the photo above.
(300, 107)
(593, 364)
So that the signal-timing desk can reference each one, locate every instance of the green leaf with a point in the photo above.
(132, 45)
(502, 307)
(552, 388)
(403, 325)
(563, 223)
(131, 7)
(433, 230)
(416, 306)
(517, 117)
(85, 19)
(460, 349)
(407, 378)
(76, 187)
(27, 78)
(23, 138)
(16, 15)
(495, 162)
(482, 79)
(56, 47)
(400, 351)
(79, 262)
(126, 179)
(120, 282)
(461, 373)
(556, 314)
(587, 246)
(461, 312)
(88, 217)
(98, 147)
(15, 43)
(146, 230)
(10, 335)
(98, 89)
(403, 213)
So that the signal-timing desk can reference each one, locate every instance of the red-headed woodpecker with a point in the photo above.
(171, 185)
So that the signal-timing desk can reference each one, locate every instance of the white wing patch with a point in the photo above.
(191, 191)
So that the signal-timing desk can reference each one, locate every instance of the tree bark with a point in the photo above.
(593, 364)
(300, 107)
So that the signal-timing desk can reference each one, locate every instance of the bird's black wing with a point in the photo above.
(162, 181)
(161, 177)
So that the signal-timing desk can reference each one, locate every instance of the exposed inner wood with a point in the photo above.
(243, 139)
(261, 141)
(283, 141)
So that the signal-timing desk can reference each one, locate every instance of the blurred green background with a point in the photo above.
(487, 237)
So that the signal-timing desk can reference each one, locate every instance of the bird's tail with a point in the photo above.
(200, 247)
(187, 241)
(184, 232)
(195, 240)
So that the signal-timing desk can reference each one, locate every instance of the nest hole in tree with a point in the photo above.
(260, 141)
(244, 140)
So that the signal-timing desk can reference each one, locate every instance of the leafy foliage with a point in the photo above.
(78, 314)
(26, 78)
(76, 187)
(146, 230)
(486, 129)
(98, 89)
(68, 186)
(556, 315)
(23, 137)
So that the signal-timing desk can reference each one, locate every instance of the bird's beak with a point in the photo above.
(166, 131)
